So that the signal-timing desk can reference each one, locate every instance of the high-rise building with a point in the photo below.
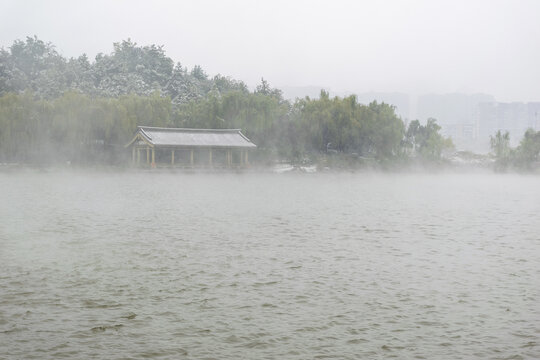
(513, 117)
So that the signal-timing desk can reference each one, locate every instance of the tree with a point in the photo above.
(528, 151)
(198, 73)
(130, 69)
(425, 141)
(32, 65)
(133, 69)
(264, 88)
(344, 126)
(500, 144)
(386, 132)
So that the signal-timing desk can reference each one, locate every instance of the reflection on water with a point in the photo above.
(149, 265)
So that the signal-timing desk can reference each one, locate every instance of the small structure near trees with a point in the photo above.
(154, 146)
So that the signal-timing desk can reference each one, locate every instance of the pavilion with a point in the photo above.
(154, 146)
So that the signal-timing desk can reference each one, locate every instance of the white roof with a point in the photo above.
(194, 137)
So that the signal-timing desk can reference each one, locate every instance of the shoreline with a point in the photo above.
(278, 169)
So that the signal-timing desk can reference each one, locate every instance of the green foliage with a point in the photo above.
(500, 145)
(264, 88)
(527, 154)
(261, 117)
(426, 142)
(24, 123)
(342, 125)
(79, 111)
(74, 127)
(525, 157)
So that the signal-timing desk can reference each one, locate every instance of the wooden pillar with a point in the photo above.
(153, 157)
(172, 157)
(241, 157)
(228, 157)
(147, 155)
(133, 155)
(138, 156)
(210, 156)
(247, 159)
(191, 158)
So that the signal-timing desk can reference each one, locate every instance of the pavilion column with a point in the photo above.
(172, 157)
(241, 157)
(153, 157)
(228, 157)
(138, 156)
(133, 155)
(191, 158)
(147, 155)
(247, 159)
(210, 156)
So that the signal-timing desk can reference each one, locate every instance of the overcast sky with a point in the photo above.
(422, 46)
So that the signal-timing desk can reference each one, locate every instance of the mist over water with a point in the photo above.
(160, 265)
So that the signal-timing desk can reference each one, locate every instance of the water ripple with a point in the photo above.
(253, 266)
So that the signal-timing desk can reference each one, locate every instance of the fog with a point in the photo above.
(291, 266)
(361, 181)
(414, 47)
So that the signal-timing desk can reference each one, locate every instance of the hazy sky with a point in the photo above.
(421, 46)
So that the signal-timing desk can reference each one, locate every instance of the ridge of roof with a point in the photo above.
(152, 128)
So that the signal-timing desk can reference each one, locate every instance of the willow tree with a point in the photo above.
(500, 145)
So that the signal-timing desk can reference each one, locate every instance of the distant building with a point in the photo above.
(459, 131)
(153, 146)
(514, 117)
(533, 115)
(451, 108)
(470, 120)
(457, 114)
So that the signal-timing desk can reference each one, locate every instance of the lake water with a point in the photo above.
(141, 265)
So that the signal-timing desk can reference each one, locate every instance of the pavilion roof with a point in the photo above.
(178, 137)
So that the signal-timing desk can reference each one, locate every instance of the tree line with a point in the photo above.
(130, 69)
(526, 156)
(54, 109)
